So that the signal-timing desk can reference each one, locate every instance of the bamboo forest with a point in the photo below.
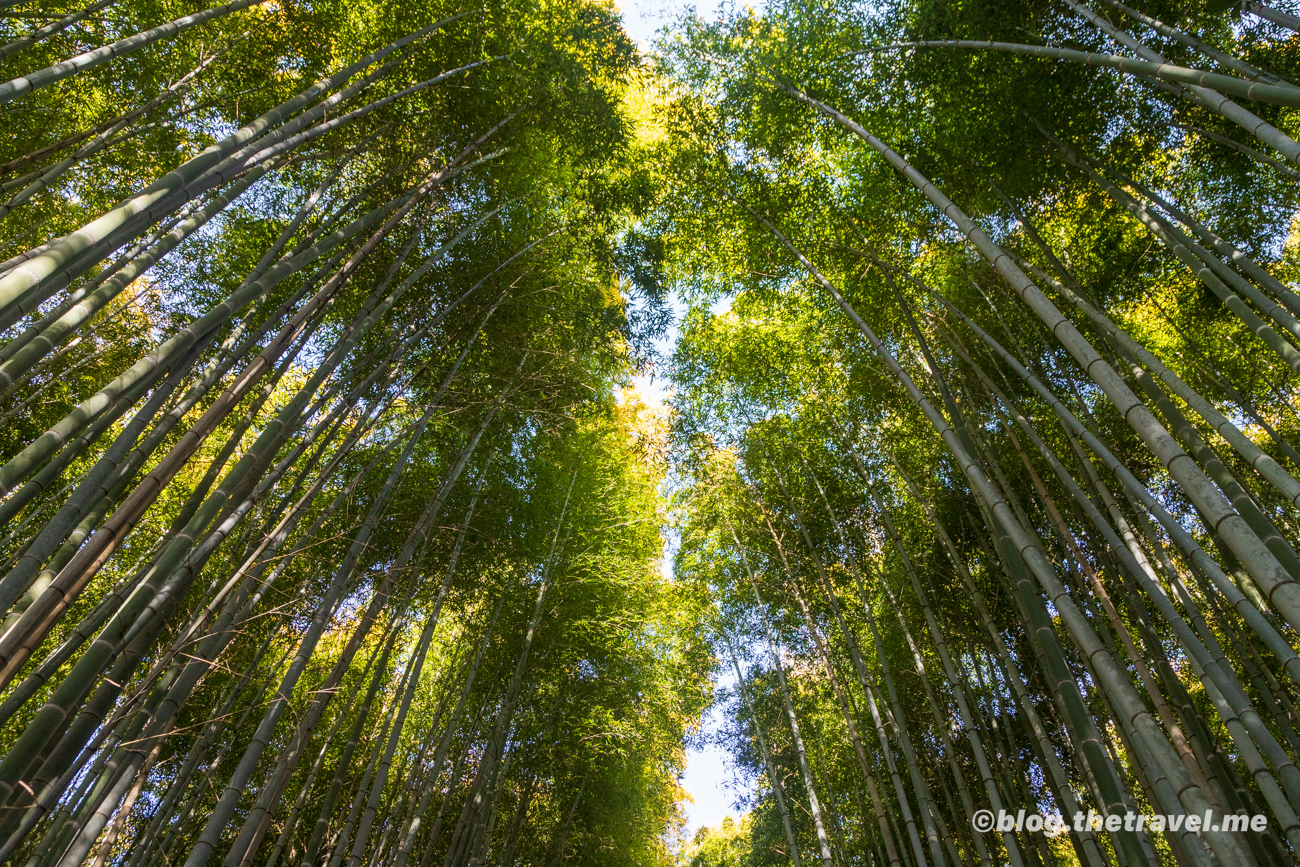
(426, 426)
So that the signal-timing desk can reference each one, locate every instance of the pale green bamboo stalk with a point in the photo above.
(1114, 547)
(349, 748)
(1203, 96)
(1258, 560)
(161, 360)
(202, 847)
(72, 254)
(1102, 766)
(859, 748)
(54, 334)
(1202, 263)
(773, 778)
(90, 557)
(420, 654)
(1195, 554)
(53, 28)
(1239, 259)
(1262, 158)
(919, 787)
(1218, 679)
(439, 758)
(942, 648)
(1115, 680)
(178, 549)
(1222, 57)
(24, 85)
(1268, 13)
(1285, 483)
(230, 796)
(1275, 94)
(1093, 855)
(823, 842)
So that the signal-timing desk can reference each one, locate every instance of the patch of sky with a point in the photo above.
(710, 779)
(644, 18)
(713, 781)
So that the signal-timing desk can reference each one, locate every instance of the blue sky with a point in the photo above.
(643, 17)
(710, 777)
(708, 770)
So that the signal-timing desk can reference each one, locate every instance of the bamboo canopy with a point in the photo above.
(335, 525)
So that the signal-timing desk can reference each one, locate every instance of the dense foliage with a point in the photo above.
(346, 545)
(331, 532)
